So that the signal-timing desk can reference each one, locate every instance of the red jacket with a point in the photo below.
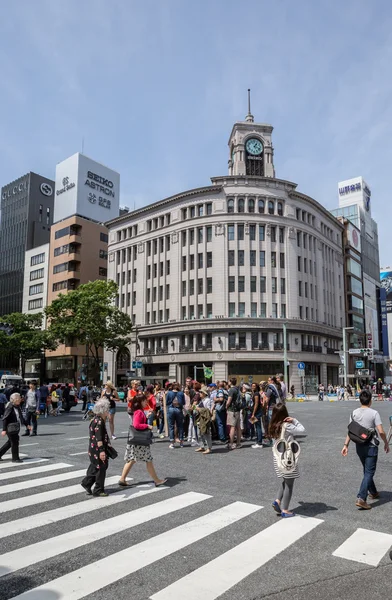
(139, 420)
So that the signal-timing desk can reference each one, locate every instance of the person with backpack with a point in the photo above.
(364, 427)
(175, 402)
(286, 450)
(234, 407)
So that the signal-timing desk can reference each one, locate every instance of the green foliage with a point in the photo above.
(27, 339)
(89, 316)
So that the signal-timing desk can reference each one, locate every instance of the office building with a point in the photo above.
(210, 276)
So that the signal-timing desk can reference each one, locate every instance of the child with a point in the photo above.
(280, 418)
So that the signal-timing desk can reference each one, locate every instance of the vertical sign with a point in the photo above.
(384, 322)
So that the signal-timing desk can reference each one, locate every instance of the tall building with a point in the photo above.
(86, 194)
(210, 276)
(26, 218)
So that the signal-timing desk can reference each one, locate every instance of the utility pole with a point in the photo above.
(345, 329)
(285, 354)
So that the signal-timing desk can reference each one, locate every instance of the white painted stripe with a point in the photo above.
(32, 471)
(49, 496)
(365, 546)
(218, 576)
(79, 453)
(33, 444)
(94, 577)
(9, 456)
(27, 461)
(84, 437)
(79, 508)
(54, 546)
(32, 483)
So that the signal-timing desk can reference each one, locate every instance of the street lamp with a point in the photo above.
(345, 354)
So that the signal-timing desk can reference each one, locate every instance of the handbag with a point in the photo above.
(359, 434)
(139, 437)
(13, 428)
(111, 452)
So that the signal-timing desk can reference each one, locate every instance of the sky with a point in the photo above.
(153, 87)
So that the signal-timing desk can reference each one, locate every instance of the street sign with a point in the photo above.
(301, 372)
(355, 350)
(301, 366)
(341, 358)
(363, 372)
(137, 364)
(359, 364)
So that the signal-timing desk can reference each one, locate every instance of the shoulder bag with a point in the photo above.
(139, 437)
(111, 452)
(359, 434)
(13, 428)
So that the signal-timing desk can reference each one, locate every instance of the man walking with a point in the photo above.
(367, 453)
(234, 413)
(32, 408)
(283, 387)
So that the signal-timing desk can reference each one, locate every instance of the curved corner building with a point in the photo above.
(211, 275)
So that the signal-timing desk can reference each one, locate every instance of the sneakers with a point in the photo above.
(100, 494)
(257, 445)
(181, 444)
(362, 504)
(172, 446)
(113, 437)
(161, 436)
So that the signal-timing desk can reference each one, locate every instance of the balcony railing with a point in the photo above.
(307, 348)
(278, 346)
(330, 351)
(317, 349)
(162, 350)
(186, 349)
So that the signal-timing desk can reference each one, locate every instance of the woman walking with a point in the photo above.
(135, 452)
(55, 401)
(97, 450)
(257, 415)
(110, 394)
(12, 421)
(281, 425)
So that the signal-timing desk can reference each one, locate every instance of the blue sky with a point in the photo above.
(155, 86)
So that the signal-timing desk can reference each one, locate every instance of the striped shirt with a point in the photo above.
(292, 429)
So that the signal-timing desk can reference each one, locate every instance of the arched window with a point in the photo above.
(241, 205)
(261, 204)
(280, 209)
(123, 360)
(230, 205)
(251, 205)
(271, 208)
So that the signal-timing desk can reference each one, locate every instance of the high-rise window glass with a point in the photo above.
(252, 258)
(240, 232)
(253, 283)
(183, 290)
(253, 310)
(231, 309)
(271, 207)
(261, 206)
(241, 283)
(261, 233)
(280, 209)
(281, 260)
(230, 232)
(209, 233)
(231, 341)
(251, 205)
(283, 311)
(274, 285)
(282, 285)
(191, 287)
(209, 208)
(263, 310)
(273, 259)
(252, 232)
(200, 260)
(231, 283)
(209, 285)
(230, 205)
(241, 205)
(242, 340)
(241, 309)
(281, 235)
(200, 286)
(273, 234)
(262, 258)
(263, 284)
(209, 259)
(231, 258)
(200, 235)
(191, 237)
(274, 310)
(241, 258)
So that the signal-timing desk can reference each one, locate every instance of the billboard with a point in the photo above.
(386, 284)
(354, 237)
(85, 187)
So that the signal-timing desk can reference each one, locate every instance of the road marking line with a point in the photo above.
(9, 456)
(33, 471)
(33, 444)
(365, 546)
(27, 461)
(79, 453)
(30, 555)
(50, 495)
(84, 437)
(73, 510)
(32, 483)
(98, 575)
(218, 576)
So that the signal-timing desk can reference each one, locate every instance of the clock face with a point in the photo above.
(254, 147)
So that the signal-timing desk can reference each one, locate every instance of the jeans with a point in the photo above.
(13, 443)
(368, 456)
(176, 416)
(258, 427)
(221, 417)
(31, 417)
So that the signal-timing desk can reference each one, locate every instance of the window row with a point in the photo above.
(327, 231)
(158, 222)
(67, 284)
(126, 277)
(306, 265)
(306, 289)
(276, 284)
(121, 255)
(188, 289)
(34, 304)
(252, 206)
(200, 311)
(128, 233)
(71, 265)
(70, 230)
(124, 301)
(306, 217)
(152, 246)
(203, 342)
(37, 274)
(36, 289)
(238, 310)
(157, 316)
(158, 345)
(190, 212)
(259, 340)
(200, 234)
(156, 294)
(153, 269)
(47, 214)
(37, 259)
(306, 241)
(188, 262)
(275, 233)
(275, 256)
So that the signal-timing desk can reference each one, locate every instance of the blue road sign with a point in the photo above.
(301, 366)
(359, 364)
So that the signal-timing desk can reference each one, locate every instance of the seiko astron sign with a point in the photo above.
(86, 188)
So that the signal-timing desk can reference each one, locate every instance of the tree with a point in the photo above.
(22, 335)
(89, 316)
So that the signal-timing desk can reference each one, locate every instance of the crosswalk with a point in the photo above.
(72, 517)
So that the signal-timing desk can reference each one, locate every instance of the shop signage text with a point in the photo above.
(349, 188)
(101, 201)
(66, 186)
(16, 189)
(96, 182)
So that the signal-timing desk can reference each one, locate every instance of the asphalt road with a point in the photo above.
(211, 533)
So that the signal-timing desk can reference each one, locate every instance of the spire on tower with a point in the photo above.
(249, 117)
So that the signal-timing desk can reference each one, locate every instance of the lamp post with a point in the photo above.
(345, 354)
(285, 354)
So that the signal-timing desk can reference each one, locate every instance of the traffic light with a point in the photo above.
(367, 352)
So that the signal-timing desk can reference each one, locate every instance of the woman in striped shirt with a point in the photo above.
(293, 427)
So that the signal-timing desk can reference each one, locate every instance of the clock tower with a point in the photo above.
(250, 147)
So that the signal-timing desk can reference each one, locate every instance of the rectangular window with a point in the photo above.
(183, 238)
(184, 214)
(262, 233)
(148, 295)
(209, 208)
(37, 274)
(281, 260)
(34, 304)
(299, 288)
(263, 310)
(193, 211)
(183, 313)
(62, 232)
(60, 285)
(262, 258)
(273, 259)
(191, 287)
(300, 312)
(37, 259)
(160, 317)
(133, 298)
(102, 271)
(231, 258)
(231, 309)
(230, 233)
(305, 236)
(209, 313)
(192, 312)
(148, 271)
(253, 283)
(231, 283)
(231, 341)
(61, 250)
(209, 285)
(241, 309)
(168, 267)
(240, 232)
(242, 341)
(167, 291)
(305, 265)
(252, 258)
(160, 292)
(274, 310)
(36, 289)
(274, 284)
(209, 259)
(299, 260)
(104, 237)
(255, 340)
(191, 237)
(154, 270)
(273, 234)
(241, 258)
(241, 283)
(252, 233)
(155, 246)
(282, 311)
(200, 235)
(263, 284)
(200, 261)
(154, 294)
(161, 269)
(209, 233)
(60, 268)
(103, 254)
(191, 262)
(281, 235)
(184, 263)
(282, 285)
(200, 209)
(200, 286)
(253, 310)
(306, 289)
(298, 239)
